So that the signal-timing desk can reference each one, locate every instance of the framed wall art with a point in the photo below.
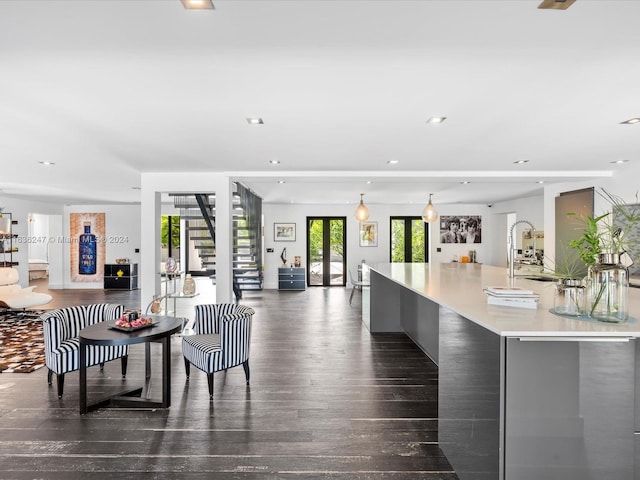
(284, 232)
(369, 234)
(87, 246)
(461, 229)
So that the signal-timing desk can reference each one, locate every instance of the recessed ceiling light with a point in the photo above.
(281, 181)
(466, 182)
(255, 121)
(556, 4)
(436, 119)
(619, 161)
(274, 162)
(369, 182)
(631, 121)
(540, 181)
(46, 164)
(198, 4)
(520, 162)
(392, 162)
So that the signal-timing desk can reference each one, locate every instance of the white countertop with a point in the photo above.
(459, 287)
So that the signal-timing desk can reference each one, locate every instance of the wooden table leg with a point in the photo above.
(83, 378)
(147, 360)
(166, 372)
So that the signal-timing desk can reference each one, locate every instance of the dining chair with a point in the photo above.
(221, 339)
(357, 285)
(61, 328)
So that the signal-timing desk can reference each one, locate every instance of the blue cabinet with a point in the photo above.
(292, 278)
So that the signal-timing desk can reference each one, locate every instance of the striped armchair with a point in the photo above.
(221, 340)
(62, 345)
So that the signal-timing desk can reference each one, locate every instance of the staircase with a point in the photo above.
(198, 211)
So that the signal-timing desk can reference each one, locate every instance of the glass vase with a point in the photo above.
(569, 298)
(608, 289)
(189, 285)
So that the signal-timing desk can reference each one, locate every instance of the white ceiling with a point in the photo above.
(108, 90)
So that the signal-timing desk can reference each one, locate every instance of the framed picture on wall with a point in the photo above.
(369, 234)
(284, 232)
(87, 250)
(461, 229)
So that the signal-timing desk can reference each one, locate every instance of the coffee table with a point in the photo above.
(102, 334)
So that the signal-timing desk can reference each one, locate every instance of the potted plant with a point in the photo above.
(569, 297)
(603, 247)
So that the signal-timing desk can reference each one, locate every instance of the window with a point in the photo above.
(409, 240)
(170, 236)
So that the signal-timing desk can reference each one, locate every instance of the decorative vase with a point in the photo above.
(189, 285)
(569, 298)
(156, 305)
(608, 289)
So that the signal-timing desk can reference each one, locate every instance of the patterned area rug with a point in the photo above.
(21, 343)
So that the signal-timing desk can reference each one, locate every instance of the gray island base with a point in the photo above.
(522, 394)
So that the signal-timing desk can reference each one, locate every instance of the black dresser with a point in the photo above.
(292, 278)
(121, 276)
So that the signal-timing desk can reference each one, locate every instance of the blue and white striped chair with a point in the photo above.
(222, 334)
(62, 345)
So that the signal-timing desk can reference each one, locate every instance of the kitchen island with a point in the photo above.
(523, 394)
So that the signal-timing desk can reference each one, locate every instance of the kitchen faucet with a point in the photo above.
(512, 246)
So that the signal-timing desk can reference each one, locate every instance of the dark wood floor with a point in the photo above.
(327, 400)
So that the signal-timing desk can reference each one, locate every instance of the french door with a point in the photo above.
(326, 251)
(409, 240)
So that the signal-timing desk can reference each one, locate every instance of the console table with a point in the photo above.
(102, 334)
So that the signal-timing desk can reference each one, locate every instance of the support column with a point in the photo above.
(150, 255)
(153, 185)
(224, 243)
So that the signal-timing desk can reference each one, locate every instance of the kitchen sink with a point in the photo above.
(541, 279)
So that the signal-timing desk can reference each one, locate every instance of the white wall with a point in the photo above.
(153, 184)
(38, 228)
(279, 213)
(531, 209)
(122, 237)
(126, 220)
(20, 210)
(449, 250)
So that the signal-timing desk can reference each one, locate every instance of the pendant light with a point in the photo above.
(429, 214)
(362, 212)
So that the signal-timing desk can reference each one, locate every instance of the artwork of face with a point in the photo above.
(461, 229)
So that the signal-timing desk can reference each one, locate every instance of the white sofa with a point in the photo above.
(13, 296)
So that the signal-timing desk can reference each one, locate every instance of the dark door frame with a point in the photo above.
(408, 250)
(326, 247)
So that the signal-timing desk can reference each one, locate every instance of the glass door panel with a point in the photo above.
(315, 235)
(326, 240)
(397, 240)
(418, 250)
(336, 240)
(409, 237)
